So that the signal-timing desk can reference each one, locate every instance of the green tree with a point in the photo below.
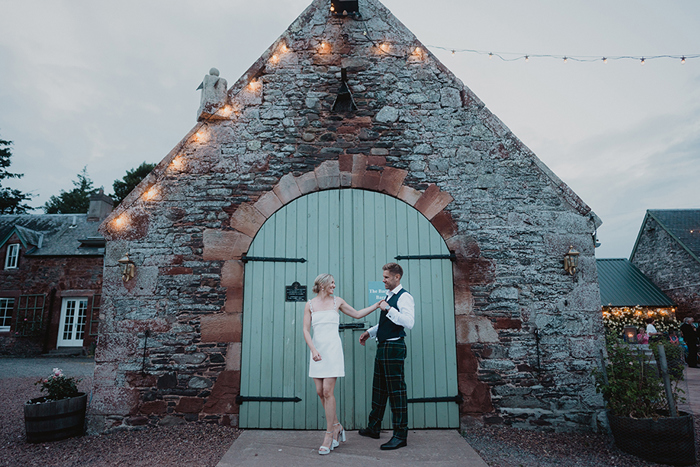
(76, 201)
(11, 200)
(132, 178)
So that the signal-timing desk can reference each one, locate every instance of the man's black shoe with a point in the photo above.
(368, 433)
(394, 443)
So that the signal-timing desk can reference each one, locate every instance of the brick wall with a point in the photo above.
(663, 260)
(53, 278)
(527, 333)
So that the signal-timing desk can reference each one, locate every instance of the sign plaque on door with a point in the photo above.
(295, 293)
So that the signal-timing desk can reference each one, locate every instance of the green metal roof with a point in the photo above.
(623, 284)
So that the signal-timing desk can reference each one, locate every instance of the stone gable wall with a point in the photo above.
(418, 134)
(663, 260)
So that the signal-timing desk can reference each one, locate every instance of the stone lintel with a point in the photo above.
(328, 175)
(392, 180)
(307, 183)
(444, 224)
(247, 219)
(268, 203)
(222, 245)
(432, 201)
(409, 195)
(287, 189)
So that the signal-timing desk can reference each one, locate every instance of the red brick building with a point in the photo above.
(51, 280)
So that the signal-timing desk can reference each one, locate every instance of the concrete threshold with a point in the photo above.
(300, 448)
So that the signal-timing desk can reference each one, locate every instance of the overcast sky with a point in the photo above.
(109, 85)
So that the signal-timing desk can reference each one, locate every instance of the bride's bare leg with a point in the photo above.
(329, 406)
(321, 384)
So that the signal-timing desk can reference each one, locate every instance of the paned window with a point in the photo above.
(6, 307)
(12, 256)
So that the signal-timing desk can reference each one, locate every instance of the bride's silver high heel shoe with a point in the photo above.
(323, 450)
(341, 436)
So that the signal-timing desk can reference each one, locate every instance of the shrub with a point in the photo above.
(59, 386)
(633, 388)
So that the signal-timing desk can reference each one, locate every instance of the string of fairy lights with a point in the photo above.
(516, 56)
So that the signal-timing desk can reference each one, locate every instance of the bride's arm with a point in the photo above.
(307, 333)
(357, 314)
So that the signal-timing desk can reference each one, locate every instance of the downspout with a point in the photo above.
(52, 299)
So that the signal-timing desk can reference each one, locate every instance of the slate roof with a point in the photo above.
(53, 234)
(623, 284)
(682, 224)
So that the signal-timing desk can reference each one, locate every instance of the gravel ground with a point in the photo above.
(199, 444)
(503, 446)
(192, 444)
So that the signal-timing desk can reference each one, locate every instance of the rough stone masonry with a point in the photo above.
(528, 333)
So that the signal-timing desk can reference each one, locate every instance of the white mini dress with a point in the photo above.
(326, 339)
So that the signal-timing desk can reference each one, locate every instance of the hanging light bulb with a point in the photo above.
(643, 61)
(453, 52)
(527, 59)
(490, 55)
(565, 59)
(605, 59)
(682, 59)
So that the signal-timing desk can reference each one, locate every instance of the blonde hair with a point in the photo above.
(322, 280)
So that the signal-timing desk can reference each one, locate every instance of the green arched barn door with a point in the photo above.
(350, 234)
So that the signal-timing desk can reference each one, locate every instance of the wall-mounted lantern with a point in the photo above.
(128, 268)
(571, 260)
(630, 334)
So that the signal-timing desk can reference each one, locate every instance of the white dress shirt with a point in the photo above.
(404, 316)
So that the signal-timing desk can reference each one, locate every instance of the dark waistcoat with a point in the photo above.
(387, 328)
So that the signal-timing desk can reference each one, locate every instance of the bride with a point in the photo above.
(327, 362)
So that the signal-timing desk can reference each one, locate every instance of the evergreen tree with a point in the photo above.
(132, 178)
(76, 201)
(11, 200)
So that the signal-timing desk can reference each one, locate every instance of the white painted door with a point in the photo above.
(71, 330)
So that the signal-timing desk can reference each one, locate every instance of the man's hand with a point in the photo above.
(363, 337)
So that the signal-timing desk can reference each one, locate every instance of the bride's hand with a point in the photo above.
(316, 356)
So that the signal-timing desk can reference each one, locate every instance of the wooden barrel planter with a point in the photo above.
(667, 440)
(54, 420)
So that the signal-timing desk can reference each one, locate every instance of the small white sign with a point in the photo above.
(376, 292)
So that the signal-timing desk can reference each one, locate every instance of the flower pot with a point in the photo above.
(667, 440)
(54, 420)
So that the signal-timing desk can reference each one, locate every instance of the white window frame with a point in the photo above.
(72, 327)
(7, 306)
(12, 256)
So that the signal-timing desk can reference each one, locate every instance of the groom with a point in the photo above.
(389, 382)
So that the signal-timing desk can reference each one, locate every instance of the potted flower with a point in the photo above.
(638, 406)
(60, 413)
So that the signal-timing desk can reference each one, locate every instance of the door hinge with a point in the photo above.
(458, 399)
(245, 259)
(240, 399)
(451, 257)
